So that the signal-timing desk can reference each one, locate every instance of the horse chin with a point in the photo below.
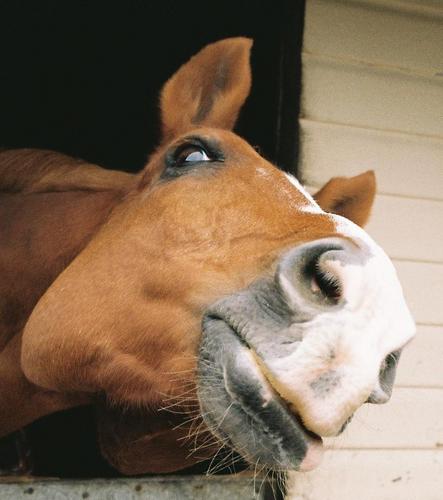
(242, 409)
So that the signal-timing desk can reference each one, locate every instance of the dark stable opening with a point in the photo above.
(83, 78)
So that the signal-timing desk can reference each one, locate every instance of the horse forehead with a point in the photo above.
(264, 170)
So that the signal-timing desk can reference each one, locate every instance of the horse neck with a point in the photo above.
(40, 234)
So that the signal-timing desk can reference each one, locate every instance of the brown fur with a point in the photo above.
(105, 275)
(44, 223)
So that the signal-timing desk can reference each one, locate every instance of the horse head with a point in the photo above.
(220, 284)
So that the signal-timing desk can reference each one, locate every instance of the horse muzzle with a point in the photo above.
(293, 356)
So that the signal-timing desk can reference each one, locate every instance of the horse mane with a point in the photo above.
(44, 171)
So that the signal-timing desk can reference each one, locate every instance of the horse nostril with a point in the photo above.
(324, 282)
(382, 393)
(378, 397)
(312, 276)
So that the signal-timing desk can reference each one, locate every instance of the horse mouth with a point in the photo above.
(242, 408)
(313, 442)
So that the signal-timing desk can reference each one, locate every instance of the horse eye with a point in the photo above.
(191, 154)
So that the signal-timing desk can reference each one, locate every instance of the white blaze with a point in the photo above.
(336, 365)
(311, 204)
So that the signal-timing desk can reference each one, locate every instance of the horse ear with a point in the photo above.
(209, 89)
(351, 197)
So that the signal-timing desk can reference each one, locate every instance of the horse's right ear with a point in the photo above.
(209, 89)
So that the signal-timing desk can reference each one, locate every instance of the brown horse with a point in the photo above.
(211, 283)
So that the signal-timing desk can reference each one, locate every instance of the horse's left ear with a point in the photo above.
(209, 89)
(351, 197)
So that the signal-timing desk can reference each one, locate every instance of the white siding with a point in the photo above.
(423, 287)
(408, 227)
(357, 88)
(421, 365)
(373, 475)
(405, 164)
(373, 99)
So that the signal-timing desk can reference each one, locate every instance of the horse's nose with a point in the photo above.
(378, 396)
(382, 392)
(321, 275)
(347, 314)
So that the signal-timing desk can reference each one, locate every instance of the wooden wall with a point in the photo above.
(373, 99)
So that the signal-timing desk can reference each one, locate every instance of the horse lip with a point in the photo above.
(288, 408)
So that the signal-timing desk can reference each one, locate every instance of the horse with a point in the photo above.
(208, 300)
